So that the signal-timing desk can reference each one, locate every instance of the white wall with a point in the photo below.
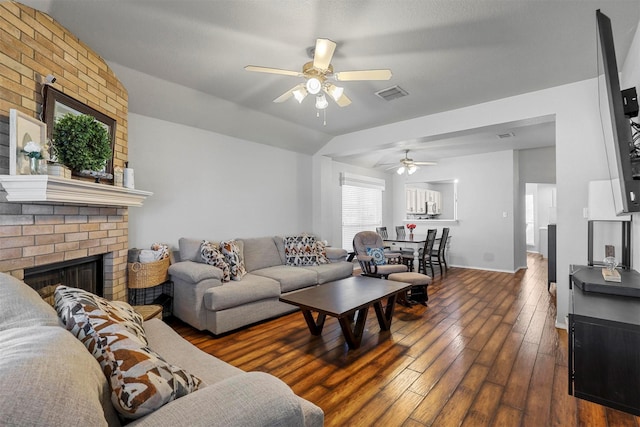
(208, 185)
(482, 237)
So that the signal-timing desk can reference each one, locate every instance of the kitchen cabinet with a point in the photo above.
(423, 201)
(410, 194)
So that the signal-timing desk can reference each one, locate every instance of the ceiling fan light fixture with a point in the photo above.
(400, 170)
(300, 94)
(412, 169)
(313, 85)
(321, 102)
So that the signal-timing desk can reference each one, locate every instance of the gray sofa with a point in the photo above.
(202, 300)
(48, 378)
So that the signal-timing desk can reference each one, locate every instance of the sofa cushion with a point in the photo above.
(141, 380)
(233, 255)
(48, 378)
(117, 311)
(178, 351)
(15, 295)
(259, 253)
(229, 295)
(189, 249)
(301, 250)
(330, 272)
(290, 278)
(211, 255)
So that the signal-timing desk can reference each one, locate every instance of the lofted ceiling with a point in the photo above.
(446, 54)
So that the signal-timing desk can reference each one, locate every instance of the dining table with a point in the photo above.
(408, 243)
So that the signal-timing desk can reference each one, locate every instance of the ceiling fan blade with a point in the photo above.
(342, 100)
(268, 70)
(363, 75)
(323, 54)
(288, 93)
(425, 163)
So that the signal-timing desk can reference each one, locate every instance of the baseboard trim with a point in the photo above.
(497, 270)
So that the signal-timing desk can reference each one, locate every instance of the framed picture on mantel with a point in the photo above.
(57, 104)
(23, 129)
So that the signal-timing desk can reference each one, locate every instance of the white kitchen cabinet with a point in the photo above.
(410, 194)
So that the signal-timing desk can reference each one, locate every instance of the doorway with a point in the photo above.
(540, 211)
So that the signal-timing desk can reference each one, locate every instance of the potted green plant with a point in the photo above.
(81, 143)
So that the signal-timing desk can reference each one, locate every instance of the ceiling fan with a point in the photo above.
(409, 165)
(319, 74)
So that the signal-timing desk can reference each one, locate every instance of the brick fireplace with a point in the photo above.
(35, 234)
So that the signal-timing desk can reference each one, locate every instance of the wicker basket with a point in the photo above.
(149, 274)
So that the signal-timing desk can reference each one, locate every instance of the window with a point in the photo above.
(361, 206)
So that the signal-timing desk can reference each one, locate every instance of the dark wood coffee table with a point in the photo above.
(349, 300)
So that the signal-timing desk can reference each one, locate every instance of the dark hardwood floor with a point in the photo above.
(484, 352)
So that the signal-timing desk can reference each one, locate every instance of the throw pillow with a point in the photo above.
(118, 311)
(212, 256)
(231, 251)
(300, 250)
(378, 255)
(141, 380)
(321, 251)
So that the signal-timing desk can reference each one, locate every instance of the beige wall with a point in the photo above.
(34, 45)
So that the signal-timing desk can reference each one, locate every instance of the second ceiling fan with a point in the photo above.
(409, 165)
(319, 75)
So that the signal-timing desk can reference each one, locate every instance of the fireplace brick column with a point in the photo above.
(33, 45)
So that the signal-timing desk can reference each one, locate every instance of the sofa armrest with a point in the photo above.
(250, 399)
(194, 272)
(336, 254)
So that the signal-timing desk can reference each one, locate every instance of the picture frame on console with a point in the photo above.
(56, 104)
(23, 129)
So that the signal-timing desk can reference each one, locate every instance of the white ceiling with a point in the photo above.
(446, 54)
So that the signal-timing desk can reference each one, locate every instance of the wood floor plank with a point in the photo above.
(484, 406)
(484, 352)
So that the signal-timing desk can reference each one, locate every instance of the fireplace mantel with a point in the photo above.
(55, 189)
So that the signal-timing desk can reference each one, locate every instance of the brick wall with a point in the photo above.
(33, 45)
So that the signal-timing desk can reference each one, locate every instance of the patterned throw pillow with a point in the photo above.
(321, 251)
(300, 250)
(212, 256)
(118, 311)
(231, 251)
(378, 255)
(141, 380)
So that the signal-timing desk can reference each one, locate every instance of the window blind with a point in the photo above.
(361, 210)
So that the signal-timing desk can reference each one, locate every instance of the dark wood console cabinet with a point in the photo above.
(604, 338)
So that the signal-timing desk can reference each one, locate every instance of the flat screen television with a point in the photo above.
(623, 157)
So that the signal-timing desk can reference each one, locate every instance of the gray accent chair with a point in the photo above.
(371, 239)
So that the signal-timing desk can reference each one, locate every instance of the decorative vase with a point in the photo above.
(411, 235)
(34, 166)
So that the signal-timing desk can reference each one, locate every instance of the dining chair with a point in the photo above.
(407, 254)
(424, 260)
(382, 231)
(438, 254)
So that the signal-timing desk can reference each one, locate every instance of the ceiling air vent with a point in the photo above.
(506, 135)
(392, 92)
